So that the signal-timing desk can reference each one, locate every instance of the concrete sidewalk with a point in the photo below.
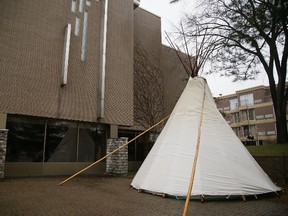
(100, 195)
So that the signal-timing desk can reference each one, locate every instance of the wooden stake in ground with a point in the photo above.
(88, 167)
(195, 158)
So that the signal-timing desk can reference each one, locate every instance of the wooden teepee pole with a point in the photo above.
(88, 167)
(195, 157)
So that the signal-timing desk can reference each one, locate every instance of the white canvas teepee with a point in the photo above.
(224, 166)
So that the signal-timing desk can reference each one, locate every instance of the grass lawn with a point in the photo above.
(269, 150)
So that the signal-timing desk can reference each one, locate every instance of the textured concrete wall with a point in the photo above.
(117, 163)
(31, 53)
(3, 119)
(3, 142)
(174, 78)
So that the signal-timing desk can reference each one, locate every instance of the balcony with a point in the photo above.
(257, 101)
(269, 116)
(269, 133)
(260, 117)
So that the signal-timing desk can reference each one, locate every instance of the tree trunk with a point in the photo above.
(279, 103)
(281, 123)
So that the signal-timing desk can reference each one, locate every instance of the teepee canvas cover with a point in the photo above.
(224, 166)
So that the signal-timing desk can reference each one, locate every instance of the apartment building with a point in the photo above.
(67, 80)
(250, 114)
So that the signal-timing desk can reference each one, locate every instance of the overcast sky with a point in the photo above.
(171, 15)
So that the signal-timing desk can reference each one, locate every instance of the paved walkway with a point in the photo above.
(111, 196)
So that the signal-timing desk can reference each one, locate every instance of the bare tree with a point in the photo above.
(148, 92)
(251, 33)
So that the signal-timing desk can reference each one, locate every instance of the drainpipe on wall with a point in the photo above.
(103, 46)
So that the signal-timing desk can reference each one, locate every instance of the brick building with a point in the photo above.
(67, 80)
(250, 114)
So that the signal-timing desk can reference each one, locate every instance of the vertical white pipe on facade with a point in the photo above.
(64, 75)
(84, 36)
(103, 46)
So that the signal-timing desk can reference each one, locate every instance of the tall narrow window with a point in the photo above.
(235, 117)
(77, 26)
(73, 6)
(84, 36)
(246, 130)
(244, 115)
(80, 6)
(251, 114)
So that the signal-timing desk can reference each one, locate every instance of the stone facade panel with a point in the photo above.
(3, 142)
(117, 163)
